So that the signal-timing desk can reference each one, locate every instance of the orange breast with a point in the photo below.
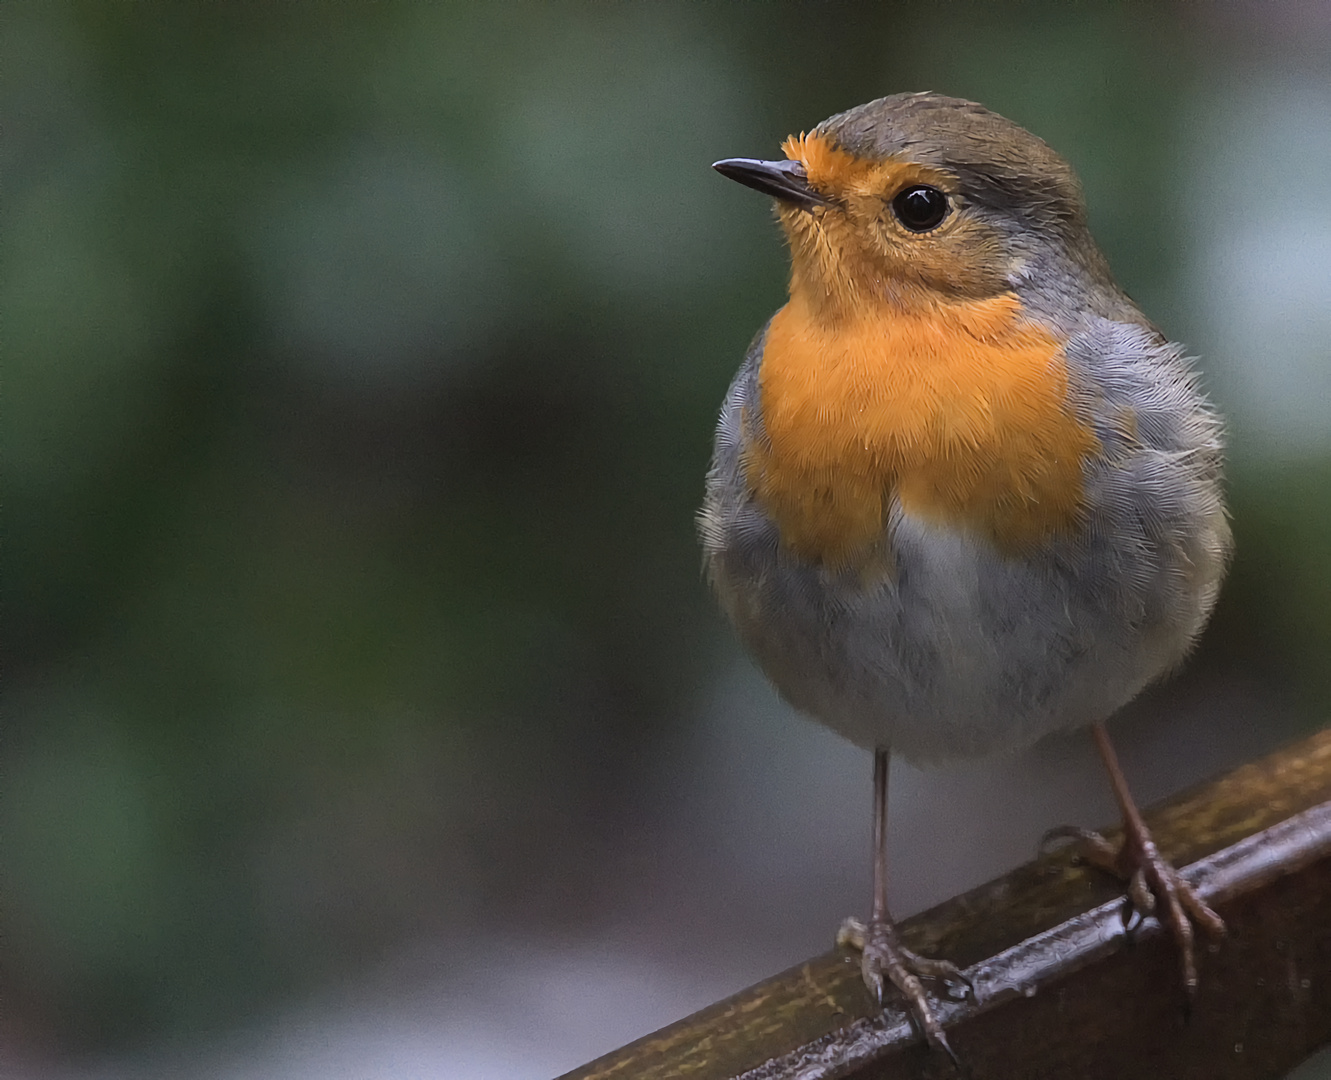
(958, 408)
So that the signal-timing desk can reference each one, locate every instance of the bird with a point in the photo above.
(963, 492)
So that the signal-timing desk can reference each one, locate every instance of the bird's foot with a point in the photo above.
(882, 953)
(1154, 888)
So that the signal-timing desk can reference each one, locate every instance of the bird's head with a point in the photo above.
(920, 197)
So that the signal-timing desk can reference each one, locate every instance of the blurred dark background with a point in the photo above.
(364, 710)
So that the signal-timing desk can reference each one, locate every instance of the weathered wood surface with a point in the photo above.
(1061, 990)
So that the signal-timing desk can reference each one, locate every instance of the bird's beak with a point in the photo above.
(784, 180)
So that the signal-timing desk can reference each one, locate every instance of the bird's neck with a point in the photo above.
(958, 409)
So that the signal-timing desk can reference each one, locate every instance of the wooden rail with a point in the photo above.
(1061, 990)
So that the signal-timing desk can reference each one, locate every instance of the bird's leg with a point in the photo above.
(1154, 885)
(882, 952)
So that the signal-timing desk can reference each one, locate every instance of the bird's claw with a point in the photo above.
(883, 954)
(1089, 845)
(1154, 888)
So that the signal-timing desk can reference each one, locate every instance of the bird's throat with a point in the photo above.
(956, 409)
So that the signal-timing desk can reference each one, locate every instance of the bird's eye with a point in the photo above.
(920, 207)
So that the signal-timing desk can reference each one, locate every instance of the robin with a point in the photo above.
(964, 493)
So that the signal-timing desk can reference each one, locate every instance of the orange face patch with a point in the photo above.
(843, 254)
(839, 173)
(958, 407)
(827, 166)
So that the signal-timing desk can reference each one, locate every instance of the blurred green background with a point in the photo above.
(360, 369)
